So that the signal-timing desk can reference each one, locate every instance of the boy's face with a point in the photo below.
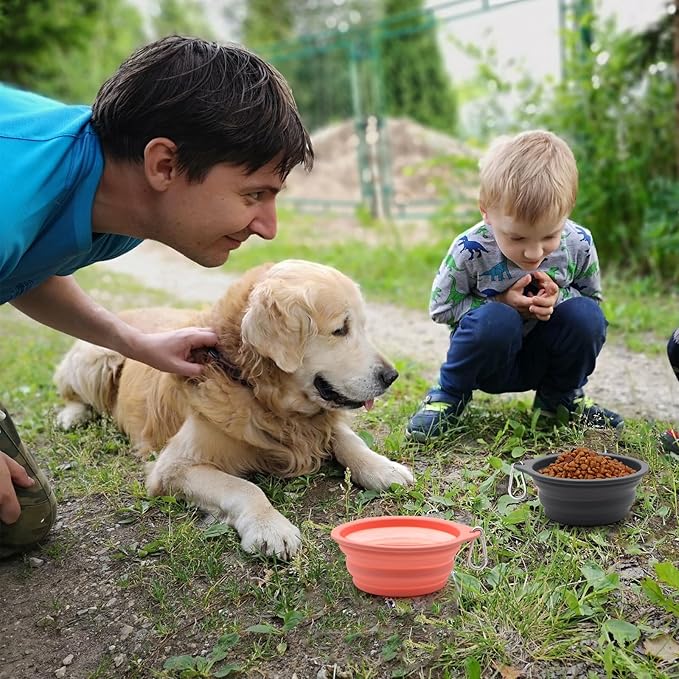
(525, 245)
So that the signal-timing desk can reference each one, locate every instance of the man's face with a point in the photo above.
(525, 245)
(205, 221)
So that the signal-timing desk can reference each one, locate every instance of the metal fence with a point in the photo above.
(336, 75)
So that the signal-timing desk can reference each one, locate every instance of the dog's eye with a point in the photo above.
(344, 330)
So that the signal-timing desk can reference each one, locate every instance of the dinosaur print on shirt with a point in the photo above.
(474, 271)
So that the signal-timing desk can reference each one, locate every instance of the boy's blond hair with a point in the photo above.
(531, 177)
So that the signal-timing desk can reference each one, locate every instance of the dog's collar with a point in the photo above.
(228, 368)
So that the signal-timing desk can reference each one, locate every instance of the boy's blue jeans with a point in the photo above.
(488, 351)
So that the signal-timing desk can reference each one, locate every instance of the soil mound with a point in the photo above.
(412, 152)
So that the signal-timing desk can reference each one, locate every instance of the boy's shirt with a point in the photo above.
(50, 166)
(475, 270)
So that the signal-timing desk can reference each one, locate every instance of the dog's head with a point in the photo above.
(309, 319)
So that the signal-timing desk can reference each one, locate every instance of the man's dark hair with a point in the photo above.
(217, 103)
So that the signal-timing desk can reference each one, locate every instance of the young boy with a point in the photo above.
(520, 291)
(670, 438)
(188, 143)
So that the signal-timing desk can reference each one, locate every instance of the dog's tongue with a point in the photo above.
(369, 404)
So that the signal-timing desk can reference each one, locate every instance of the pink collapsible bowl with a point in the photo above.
(401, 556)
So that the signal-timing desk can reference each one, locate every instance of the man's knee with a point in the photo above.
(35, 521)
(38, 504)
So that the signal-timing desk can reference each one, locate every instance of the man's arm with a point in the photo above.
(60, 303)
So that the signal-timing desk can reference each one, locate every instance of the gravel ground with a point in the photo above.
(634, 384)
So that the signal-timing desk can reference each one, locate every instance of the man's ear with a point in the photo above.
(160, 163)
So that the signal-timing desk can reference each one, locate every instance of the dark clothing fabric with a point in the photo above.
(489, 351)
(673, 352)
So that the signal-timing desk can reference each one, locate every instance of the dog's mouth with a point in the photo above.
(327, 393)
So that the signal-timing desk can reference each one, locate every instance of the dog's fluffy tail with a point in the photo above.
(89, 375)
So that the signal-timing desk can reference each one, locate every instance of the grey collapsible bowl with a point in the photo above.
(584, 502)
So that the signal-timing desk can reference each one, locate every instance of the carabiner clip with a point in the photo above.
(520, 480)
(483, 548)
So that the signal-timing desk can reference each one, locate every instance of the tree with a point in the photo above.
(313, 44)
(65, 48)
(617, 109)
(267, 23)
(182, 17)
(414, 79)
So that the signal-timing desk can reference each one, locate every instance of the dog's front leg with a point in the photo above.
(243, 506)
(368, 468)
(184, 466)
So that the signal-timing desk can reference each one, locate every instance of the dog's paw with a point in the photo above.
(380, 473)
(73, 414)
(272, 535)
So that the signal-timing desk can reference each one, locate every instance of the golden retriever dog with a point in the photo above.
(293, 358)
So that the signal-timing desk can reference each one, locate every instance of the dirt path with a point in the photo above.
(633, 384)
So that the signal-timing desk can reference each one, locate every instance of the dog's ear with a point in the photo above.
(278, 323)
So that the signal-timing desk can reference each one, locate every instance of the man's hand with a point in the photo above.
(171, 351)
(11, 473)
(538, 305)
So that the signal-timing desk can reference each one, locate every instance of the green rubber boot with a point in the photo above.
(38, 504)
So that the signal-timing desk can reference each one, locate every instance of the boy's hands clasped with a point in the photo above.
(537, 303)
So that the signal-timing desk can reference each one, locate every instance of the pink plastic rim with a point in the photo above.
(419, 533)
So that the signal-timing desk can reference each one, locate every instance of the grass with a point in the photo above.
(552, 599)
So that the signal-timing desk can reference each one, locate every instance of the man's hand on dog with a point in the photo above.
(172, 352)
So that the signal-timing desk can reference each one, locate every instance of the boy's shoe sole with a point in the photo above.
(591, 415)
(432, 420)
(418, 436)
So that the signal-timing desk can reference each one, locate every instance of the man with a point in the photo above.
(188, 144)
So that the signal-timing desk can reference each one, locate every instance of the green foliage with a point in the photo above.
(414, 79)
(266, 22)
(619, 120)
(659, 232)
(615, 107)
(65, 48)
(189, 666)
(182, 17)
(668, 575)
(355, 59)
(316, 47)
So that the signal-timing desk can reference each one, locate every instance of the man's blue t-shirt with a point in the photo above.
(50, 166)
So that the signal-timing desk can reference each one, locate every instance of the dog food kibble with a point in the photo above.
(583, 463)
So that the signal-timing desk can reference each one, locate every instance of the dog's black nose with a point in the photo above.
(387, 376)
